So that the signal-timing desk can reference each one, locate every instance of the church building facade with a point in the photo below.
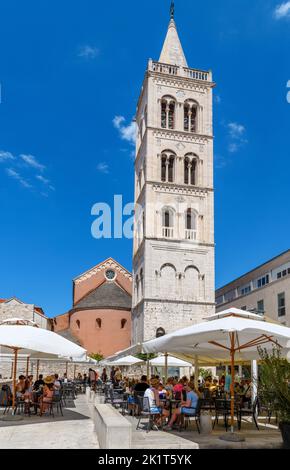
(173, 260)
(100, 318)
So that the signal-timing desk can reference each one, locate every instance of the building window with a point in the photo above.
(190, 224)
(98, 323)
(78, 324)
(263, 281)
(281, 305)
(167, 113)
(167, 223)
(283, 273)
(190, 168)
(110, 275)
(246, 290)
(244, 308)
(123, 323)
(167, 166)
(260, 307)
(190, 116)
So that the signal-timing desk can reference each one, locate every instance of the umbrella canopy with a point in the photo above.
(233, 333)
(31, 340)
(126, 361)
(171, 362)
(39, 342)
(211, 339)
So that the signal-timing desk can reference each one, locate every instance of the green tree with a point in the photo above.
(97, 356)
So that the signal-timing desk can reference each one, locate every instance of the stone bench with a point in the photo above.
(113, 430)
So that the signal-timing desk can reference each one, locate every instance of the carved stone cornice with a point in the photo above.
(182, 82)
(184, 190)
(180, 136)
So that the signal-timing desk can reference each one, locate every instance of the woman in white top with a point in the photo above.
(156, 407)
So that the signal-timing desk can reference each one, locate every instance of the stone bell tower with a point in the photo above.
(173, 266)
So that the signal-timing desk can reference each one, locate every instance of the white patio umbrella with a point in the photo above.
(235, 333)
(32, 341)
(171, 362)
(126, 361)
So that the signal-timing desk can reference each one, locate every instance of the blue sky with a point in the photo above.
(67, 69)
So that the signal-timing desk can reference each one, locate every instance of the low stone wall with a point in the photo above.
(112, 429)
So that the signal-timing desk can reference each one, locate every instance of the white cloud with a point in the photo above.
(88, 52)
(127, 132)
(4, 156)
(282, 11)
(103, 168)
(233, 147)
(13, 174)
(236, 130)
(31, 161)
(236, 136)
(42, 179)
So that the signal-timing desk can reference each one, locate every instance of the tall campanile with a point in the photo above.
(173, 264)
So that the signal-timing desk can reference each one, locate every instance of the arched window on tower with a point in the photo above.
(168, 106)
(78, 324)
(190, 225)
(168, 166)
(190, 169)
(167, 223)
(190, 116)
(98, 323)
(123, 323)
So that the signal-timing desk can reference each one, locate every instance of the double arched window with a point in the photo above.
(190, 116)
(168, 166)
(167, 222)
(190, 169)
(168, 107)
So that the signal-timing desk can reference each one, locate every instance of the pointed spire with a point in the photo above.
(172, 52)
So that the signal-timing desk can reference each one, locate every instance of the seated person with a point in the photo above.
(187, 407)
(155, 405)
(142, 386)
(20, 387)
(137, 389)
(47, 396)
(56, 384)
(169, 387)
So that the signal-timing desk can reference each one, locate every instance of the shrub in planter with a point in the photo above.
(275, 388)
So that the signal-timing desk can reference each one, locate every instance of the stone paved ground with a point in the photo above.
(267, 438)
(73, 431)
(76, 431)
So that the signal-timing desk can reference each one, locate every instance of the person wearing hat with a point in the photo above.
(47, 396)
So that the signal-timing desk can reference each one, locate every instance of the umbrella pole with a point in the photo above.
(37, 369)
(27, 366)
(196, 372)
(14, 379)
(166, 367)
(148, 378)
(233, 381)
(232, 436)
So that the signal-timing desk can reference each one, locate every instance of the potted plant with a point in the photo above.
(275, 388)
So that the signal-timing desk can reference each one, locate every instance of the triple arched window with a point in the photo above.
(168, 110)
